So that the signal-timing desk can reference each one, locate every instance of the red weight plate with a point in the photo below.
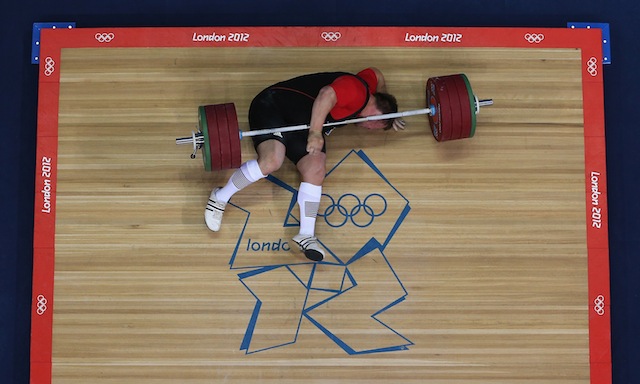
(460, 116)
(443, 95)
(433, 102)
(214, 136)
(234, 136)
(446, 116)
(223, 132)
(450, 87)
(465, 106)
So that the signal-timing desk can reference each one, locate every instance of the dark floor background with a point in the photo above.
(18, 106)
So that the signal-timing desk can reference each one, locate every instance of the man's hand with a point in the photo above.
(315, 142)
(398, 124)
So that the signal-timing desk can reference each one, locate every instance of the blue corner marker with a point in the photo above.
(606, 41)
(35, 38)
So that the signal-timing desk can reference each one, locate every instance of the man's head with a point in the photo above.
(379, 104)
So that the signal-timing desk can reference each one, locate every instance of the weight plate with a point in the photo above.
(449, 86)
(433, 102)
(472, 105)
(214, 136)
(206, 147)
(234, 136)
(465, 106)
(223, 135)
(444, 108)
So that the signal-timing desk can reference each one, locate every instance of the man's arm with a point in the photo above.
(398, 124)
(322, 105)
(382, 86)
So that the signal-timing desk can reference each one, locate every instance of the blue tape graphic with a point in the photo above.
(358, 213)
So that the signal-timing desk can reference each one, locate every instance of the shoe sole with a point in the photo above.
(310, 254)
(313, 255)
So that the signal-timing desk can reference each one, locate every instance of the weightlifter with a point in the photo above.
(309, 99)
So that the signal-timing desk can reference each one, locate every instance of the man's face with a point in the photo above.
(371, 110)
(373, 125)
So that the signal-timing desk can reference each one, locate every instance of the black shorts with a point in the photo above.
(274, 108)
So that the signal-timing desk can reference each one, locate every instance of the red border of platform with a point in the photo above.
(587, 40)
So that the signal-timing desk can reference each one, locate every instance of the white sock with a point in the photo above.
(247, 174)
(309, 202)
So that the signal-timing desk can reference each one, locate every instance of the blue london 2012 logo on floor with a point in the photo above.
(347, 295)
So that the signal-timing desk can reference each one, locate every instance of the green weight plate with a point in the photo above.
(472, 105)
(204, 128)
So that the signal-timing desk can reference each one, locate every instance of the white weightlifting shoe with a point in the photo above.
(310, 246)
(213, 212)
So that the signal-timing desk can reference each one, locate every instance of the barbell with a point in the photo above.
(451, 106)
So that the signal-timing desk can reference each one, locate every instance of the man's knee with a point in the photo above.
(271, 155)
(270, 163)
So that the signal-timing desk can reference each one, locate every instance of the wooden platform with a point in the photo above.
(459, 262)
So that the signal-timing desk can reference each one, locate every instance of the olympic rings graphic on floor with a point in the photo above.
(534, 38)
(592, 66)
(41, 305)
(331, 36)
(349, 207)
(104, 37)
(599, 305)
(49, 66)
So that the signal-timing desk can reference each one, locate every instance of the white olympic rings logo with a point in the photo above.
(350, 207)
(41, 305)
(599, 305)
(49, 66)
(104, 37)
(331, 36)
(592, 66)
(534, 38)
